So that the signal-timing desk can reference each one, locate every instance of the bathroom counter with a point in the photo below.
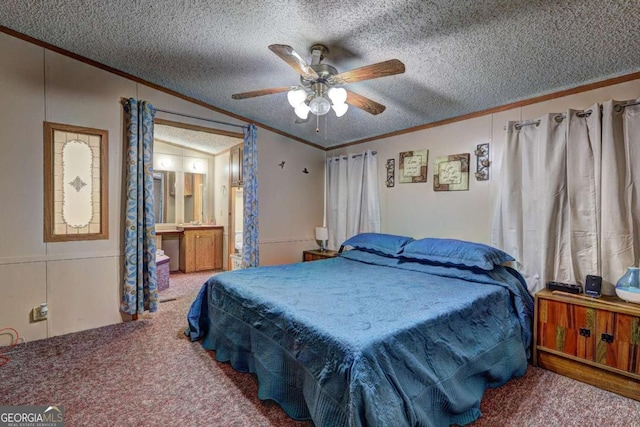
(198, 227)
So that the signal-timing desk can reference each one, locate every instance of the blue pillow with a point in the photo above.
(387, 244)
(455, 252)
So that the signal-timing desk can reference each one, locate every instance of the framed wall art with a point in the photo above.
(452, 173)
(412, 166)
(76, 203)
(391, 172)
(482, 162)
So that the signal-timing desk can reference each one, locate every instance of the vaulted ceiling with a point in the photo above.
(460, 56)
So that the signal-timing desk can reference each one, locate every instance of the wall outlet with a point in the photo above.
(39, 313)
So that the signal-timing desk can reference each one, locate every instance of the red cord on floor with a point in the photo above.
(8, 331)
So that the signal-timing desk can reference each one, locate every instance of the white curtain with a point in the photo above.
(568, 205)
(353, 196)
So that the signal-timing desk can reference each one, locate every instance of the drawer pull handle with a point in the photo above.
(585, 332)
(608, 338)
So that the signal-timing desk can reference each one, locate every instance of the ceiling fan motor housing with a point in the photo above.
(324, 71)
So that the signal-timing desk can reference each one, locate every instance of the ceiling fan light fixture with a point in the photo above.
(296, 97)
(320, 105)
(302, 111)
(337, 95)
(340, 109)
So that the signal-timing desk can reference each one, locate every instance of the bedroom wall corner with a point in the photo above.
(291, 201)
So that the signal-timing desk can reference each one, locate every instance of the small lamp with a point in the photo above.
(322, 234)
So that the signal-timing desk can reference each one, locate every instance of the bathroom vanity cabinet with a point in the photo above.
(201, 248)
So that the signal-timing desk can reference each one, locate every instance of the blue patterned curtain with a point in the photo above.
(250, 252)
(140, 287)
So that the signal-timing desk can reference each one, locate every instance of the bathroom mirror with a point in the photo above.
(195, 202)
(164, 196)
(169, 187)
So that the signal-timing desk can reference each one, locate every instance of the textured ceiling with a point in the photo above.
(460, 56)
(197, 140)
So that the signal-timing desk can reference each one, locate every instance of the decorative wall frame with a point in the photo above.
(482, 162)
(452, 173)
(391, 172)
(412, 166)
(76, 183)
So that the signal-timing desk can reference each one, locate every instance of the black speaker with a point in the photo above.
(593, 286)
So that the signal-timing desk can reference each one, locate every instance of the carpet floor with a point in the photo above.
(146, 373)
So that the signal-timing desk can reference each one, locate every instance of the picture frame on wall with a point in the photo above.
(412, 166)
(391, 172)
(76, 183)
(452, 173)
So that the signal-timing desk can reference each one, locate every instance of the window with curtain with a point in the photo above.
(568, 203)
(353, 196)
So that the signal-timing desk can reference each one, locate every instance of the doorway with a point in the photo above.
(191, 178)
(236, 222)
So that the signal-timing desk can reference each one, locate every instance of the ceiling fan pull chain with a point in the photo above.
(325, 128)
(317, 123)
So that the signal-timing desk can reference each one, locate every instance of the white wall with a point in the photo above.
(295, 202)
(418, 211)
(81, 281)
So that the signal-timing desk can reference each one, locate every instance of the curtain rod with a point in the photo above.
(353, 156)
(373, 153)
(560, 117)
(201, 118)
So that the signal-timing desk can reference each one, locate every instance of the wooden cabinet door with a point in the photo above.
(567, 328)
(205, 251)
(217, 249)
(618, 342)
(201, 250)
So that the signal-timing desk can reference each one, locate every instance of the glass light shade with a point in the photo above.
(302, 111)
(320, 105)
(340, 109)
(296, 97)
(337, 95)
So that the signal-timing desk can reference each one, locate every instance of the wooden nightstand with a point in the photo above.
(596, 341)
(317, 254)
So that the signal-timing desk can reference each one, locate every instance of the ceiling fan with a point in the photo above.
(319, 89)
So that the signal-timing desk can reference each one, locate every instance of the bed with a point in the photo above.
(381, 335)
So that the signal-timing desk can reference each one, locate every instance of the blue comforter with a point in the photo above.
(367, 340)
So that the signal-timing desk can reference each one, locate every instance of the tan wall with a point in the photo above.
(81, 281)
(418, 211)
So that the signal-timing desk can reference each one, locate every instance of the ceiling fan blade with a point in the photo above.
(262, 92)
(364, 103)
(368, 72)
(294, 60)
